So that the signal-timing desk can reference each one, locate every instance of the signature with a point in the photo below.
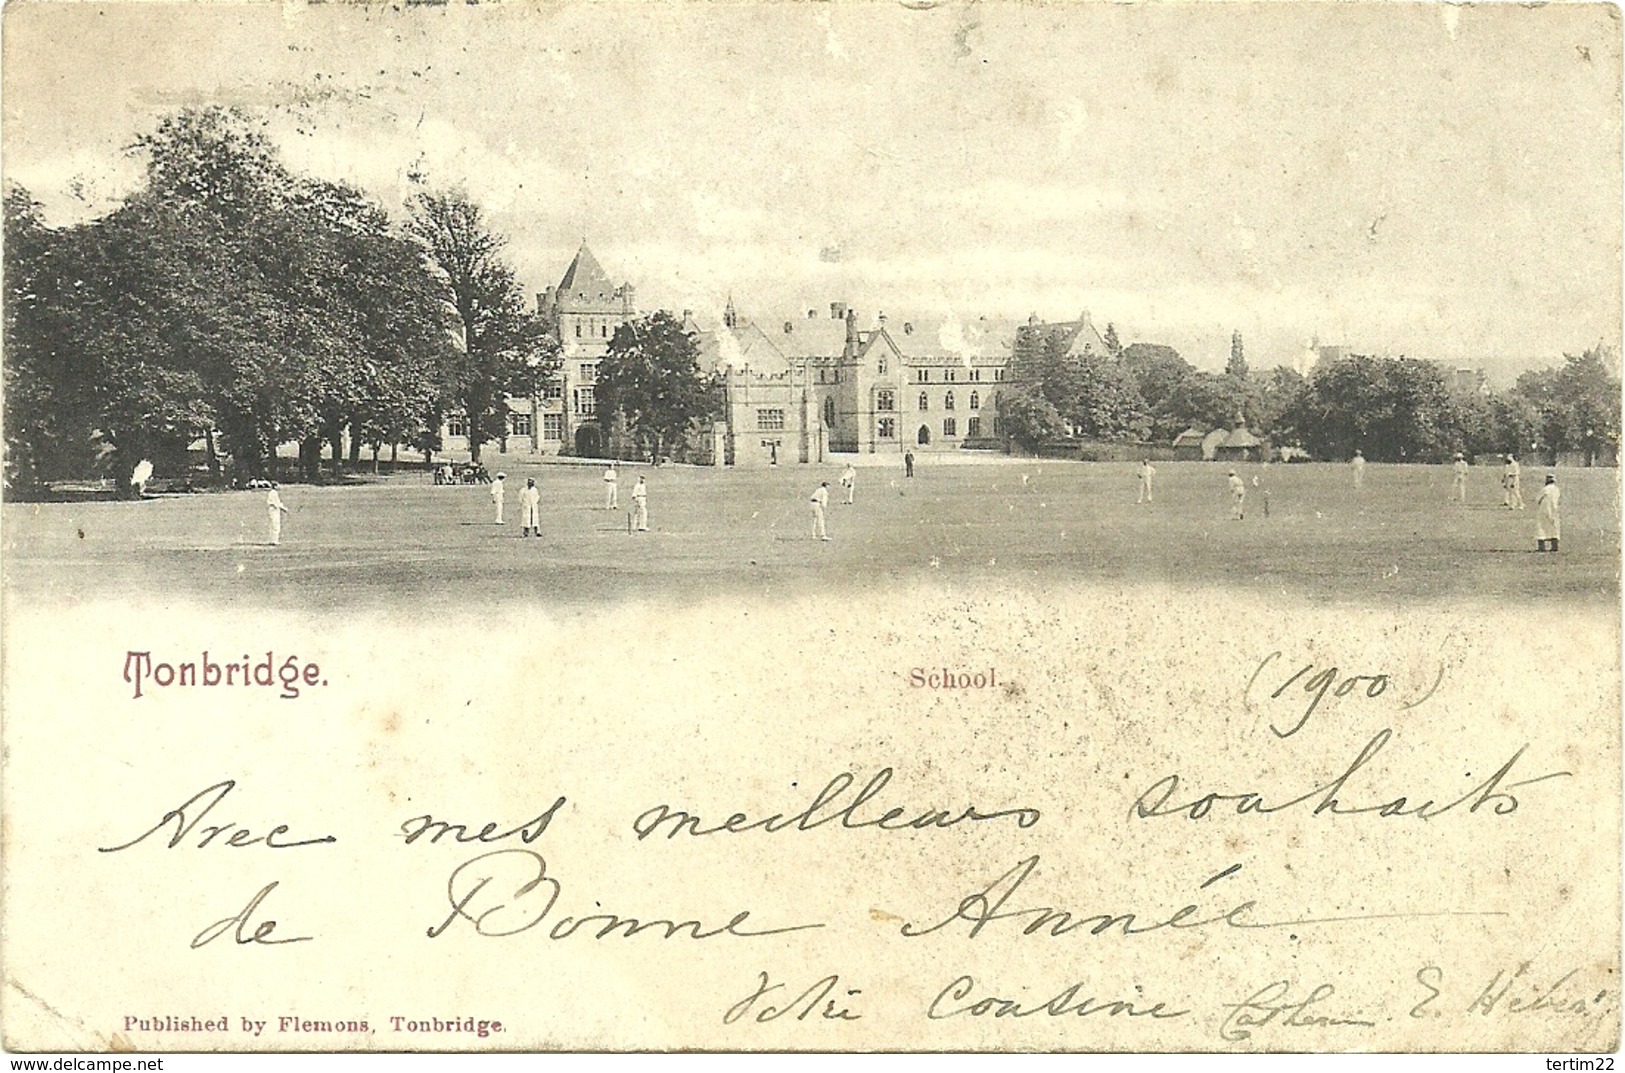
(1273, 1005)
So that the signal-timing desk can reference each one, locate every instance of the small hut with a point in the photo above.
(1240, 446)
(1188, 446)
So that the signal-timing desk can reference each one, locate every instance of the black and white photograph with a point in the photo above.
(941, 526)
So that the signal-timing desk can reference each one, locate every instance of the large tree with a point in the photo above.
(506, 349)
(651, 379)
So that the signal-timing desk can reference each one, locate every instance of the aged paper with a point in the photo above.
(1011, 762)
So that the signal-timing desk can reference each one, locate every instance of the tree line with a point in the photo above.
(231, 301)
(1391, 409)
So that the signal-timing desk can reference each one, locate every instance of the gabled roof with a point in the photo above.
(586, 278)
(744, 347)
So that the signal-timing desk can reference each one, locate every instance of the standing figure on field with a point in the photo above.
(1358, 465)
(612, 490)
(498, 490)
(530, 503)
(1548, 518)
(1512, 485)
(908, 463)
(820, 500)
(640, 506)
(1458, 483)
(274, 507)
(849, 480)
(1238, 496)
(1147, 472)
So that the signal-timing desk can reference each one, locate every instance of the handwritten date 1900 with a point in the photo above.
(1315, 685)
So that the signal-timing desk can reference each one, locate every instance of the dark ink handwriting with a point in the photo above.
(1271, 1005)
(525, 894)
(238, 921)
(951, 1001)
(801, 1007)
(189, 814)
(1155, 801)
(893, 819)
(528, 832)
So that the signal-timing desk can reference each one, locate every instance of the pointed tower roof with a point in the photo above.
(586, 278)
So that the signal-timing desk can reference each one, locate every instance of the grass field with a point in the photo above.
(403, 542)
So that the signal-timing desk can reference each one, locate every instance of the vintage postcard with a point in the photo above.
(959, 526)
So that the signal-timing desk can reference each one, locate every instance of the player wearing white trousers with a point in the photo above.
(1147, 472)
(640, 506)
(612, 492)
(530, 501)
(820, 500)
(274, 507)
(498, 490)
(1238, 495)
(1548, 518)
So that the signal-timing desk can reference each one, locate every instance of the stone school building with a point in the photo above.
(798, 388)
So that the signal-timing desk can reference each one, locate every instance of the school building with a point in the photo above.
(798, 388)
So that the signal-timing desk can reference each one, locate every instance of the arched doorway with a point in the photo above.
(589, 444)
(924, 436)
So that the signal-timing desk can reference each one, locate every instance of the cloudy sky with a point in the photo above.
(1439, 181)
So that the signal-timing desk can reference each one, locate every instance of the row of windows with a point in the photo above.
(949, 376)
(518, 425)
(770, 420)
(603, 330)
(886, 401)
(886, 429)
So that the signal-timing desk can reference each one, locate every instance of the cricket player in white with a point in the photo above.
(640, 506)
(1147, 472)
(1238, 494)
(1548, 519)
(498, 490)
(530, 502)
(612, 489)
(274, 507)
(849, 480)
(1458, 485)
(140, 476)
(820, 500)
(1359, 469)
(1512, 482)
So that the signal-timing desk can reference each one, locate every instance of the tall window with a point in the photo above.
(973, 428)
(998, 374)
(976, 374)
(950, 376)
(948, 401)
(588, 372)
(553, 390)
(976, 400)
(770, 420)
(586, 401)
(888, 428)
(925, 401)
(880, 367)
(884, 400)
(829, 410)
(603, 331)
(922, 376)
(578, 330)
(948, 426)
(519, 425)
(457, 425)
(553, 427)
